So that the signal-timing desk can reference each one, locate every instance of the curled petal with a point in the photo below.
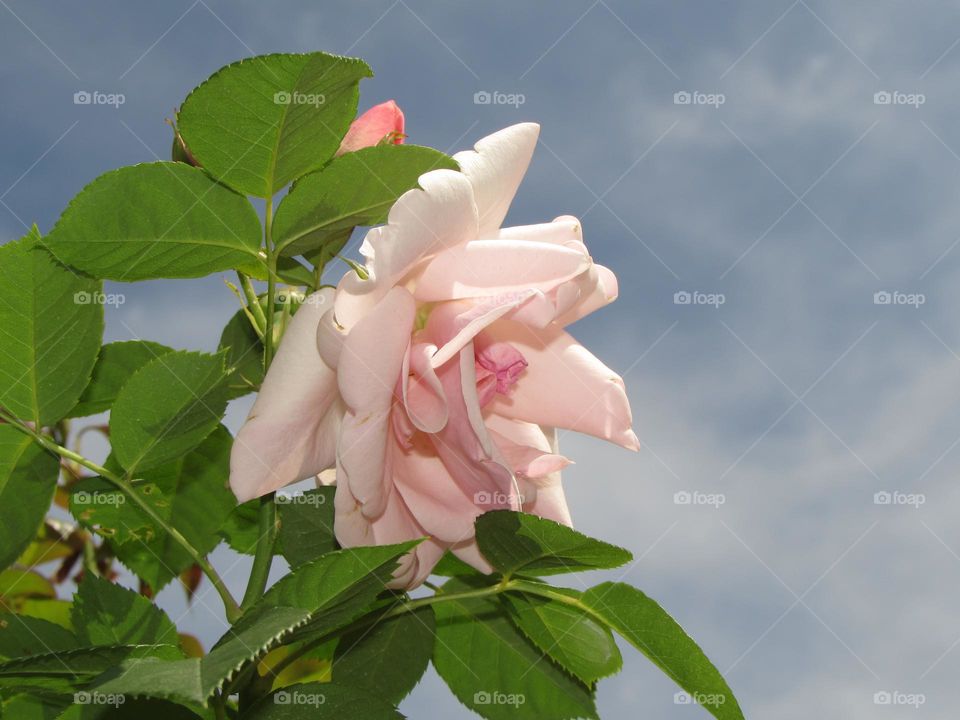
(495, 167)
(421, 223)
(370, 363)
(564, 386)
(289, 434)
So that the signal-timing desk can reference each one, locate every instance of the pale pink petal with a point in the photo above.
(564, 386)
(370, 363)
(564, 230)
(371, 128)
(596, 289)
(495, 168)
(290, 432)
(421, 223)
(490, 267)
(394, 525)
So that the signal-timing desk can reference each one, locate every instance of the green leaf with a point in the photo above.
(653, 632)
(51, 324)
(97, 707)
(30, 707)
(116, 363)
(244, 354)
(322, 701)
(28, 478)
(357, 188)
(167, 408)
(64, 671)
(388, 659)
(18, 583)
(156, 220)
(265, 121)
(577, 642)
(494, 670)
(241, 529)
(518, 542)
(306, 525)
(21, 636)
(107, 614)
(194, 680)
(452, 566)
(190, 494)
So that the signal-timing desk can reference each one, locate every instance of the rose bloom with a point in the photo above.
(434, 387)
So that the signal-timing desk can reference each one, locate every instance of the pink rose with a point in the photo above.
(435, 386)
(379, 123)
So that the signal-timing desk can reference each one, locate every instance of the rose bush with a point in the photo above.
(431, 384)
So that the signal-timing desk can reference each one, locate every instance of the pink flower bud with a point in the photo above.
(381, 123)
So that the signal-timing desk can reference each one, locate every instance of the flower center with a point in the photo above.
(498, 366)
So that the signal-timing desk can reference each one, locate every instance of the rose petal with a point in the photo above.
(289, 434)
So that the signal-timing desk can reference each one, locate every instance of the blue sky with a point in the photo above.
(797, 199)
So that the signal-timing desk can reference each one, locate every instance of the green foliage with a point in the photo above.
(517, 542)
(116, 363)
(357, 188)
(494, 670)
(21, 636)
(244, 355)
(577, 642)
(389, 658)
(51, 323)
(306, 525)
(167, 408)
(322, 701)
(28, 477)
(260, 123)
(653, 632)
(107, 614)
(189, 494)
(157, 220)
